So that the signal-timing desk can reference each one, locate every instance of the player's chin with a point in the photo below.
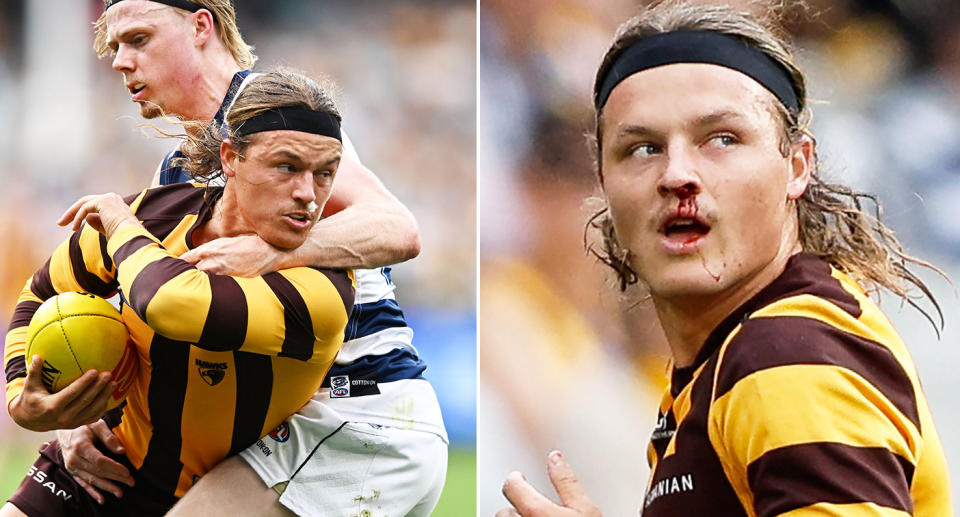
(683, 276)
(150, 110)
(287, 238)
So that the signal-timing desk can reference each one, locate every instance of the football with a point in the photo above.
(76, 332)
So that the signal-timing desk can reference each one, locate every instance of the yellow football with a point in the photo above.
(76, 332)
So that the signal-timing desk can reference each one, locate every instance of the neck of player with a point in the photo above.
(687, 321)
(211, 88)
(226, 221)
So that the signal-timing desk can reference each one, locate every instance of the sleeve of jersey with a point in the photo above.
(809, 420)
(79, 264)
(299, 313)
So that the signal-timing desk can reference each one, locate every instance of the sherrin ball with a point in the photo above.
(75, 332)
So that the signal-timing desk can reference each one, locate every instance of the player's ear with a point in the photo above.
(802, 162)
(228, 158)
(203, 26)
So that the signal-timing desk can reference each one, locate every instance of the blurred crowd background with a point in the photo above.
(406, 72)
(565, 362)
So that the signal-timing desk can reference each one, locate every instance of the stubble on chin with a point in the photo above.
(149, 110)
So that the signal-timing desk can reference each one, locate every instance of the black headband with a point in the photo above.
(700, 47)
(294, 119)
(186, 5)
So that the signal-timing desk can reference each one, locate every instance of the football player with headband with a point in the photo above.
(790, 392)
(188, 59)
(271, 338)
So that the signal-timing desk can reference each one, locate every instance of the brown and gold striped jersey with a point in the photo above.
(803, 402)
(223, 360)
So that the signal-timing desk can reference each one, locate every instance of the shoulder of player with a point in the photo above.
(165, 203)
(809, 331)
(166, 199)
(812, 314)
(162, 208)
(304, 280)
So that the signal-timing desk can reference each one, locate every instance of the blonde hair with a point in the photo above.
(277, 89)
(833, 222)
(225, 20)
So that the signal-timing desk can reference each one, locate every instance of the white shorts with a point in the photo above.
(323, 465)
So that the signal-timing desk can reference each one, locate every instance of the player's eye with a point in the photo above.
(645, 150)
(286, 167)
(139, 40)
(724, 140)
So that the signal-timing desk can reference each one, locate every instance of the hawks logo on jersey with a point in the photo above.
(211, 373)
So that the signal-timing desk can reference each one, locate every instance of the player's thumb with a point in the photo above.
(35, 373)
(191, 256)
(568, 488)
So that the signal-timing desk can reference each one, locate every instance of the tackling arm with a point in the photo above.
(365, 225)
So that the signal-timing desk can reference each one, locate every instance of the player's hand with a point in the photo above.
(104, 212)
(246, 255)
(527, 502)
(83, 401)
(89, 467)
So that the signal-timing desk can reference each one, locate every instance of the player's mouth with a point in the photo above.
(683, 234)
(300, 220)
(136, 89)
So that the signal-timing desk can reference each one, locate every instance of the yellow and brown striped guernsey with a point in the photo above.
(804, 401)
(223, 360)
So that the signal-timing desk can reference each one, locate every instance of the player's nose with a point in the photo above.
(123, 60)
(304, 188)
(679, 174)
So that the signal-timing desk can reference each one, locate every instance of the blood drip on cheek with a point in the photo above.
(703, 262)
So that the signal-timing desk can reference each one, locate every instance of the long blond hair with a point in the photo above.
(277, 89)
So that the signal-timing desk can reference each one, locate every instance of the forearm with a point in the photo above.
(363, 235)
(14, 362)
(76, 265)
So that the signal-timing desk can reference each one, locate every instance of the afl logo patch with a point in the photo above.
(339, 386)
(281, 433)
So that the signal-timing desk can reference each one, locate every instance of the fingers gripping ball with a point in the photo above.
(76, 332)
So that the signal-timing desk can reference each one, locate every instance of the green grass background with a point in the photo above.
(459, 498)
(15, 459)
